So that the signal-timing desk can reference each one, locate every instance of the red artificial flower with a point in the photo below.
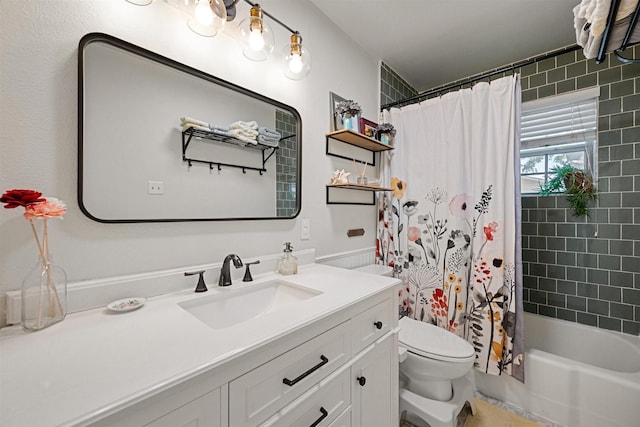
(14, 198)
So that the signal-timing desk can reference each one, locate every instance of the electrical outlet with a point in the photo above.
(305, 229)
(155, 187)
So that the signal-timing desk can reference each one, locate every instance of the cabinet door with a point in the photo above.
(205, 411)
(374, 379)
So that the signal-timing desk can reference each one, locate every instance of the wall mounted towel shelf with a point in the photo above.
(190, 133)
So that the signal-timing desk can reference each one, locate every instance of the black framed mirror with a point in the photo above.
(235, 155)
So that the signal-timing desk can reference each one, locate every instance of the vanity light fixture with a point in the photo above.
(207, 18)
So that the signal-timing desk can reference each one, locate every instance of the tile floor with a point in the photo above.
(507, 407)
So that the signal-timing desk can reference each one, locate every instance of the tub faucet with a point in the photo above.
(225, 273)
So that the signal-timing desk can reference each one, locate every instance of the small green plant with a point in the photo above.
(576, 184)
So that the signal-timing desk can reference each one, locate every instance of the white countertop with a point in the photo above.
(94, 362)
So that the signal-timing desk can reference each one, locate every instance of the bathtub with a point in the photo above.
(575, 375)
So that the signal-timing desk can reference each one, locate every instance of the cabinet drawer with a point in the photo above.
(319, 406)
(372, 324)
(204, 411)
(344, 420)
(260, 393)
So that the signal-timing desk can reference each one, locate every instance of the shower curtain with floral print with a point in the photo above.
(452, 220)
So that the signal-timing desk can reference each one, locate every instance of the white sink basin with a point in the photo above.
(234, 306)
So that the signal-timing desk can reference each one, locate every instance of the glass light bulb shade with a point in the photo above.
(297, 64)
(207, 17)
(256, 45)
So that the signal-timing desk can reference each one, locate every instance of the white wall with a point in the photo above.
(38, 134)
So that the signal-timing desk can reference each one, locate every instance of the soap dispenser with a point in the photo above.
(288, 264)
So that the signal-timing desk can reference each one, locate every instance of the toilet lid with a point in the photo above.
(431, 341)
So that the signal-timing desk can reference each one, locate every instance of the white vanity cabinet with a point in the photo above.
(329, 361)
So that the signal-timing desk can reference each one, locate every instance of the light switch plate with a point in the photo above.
(305, 229)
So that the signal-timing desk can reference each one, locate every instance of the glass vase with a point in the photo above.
(386, 138)
(351, 121)
(44, 295)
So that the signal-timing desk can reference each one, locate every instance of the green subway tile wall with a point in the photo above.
(286, 163)
(392, 86)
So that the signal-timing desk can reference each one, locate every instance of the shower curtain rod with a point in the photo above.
(475, 78)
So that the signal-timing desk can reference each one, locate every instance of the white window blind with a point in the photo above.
(569, 119)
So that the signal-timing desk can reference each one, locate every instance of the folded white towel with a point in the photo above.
(245, 132)
(596, 12)
(242, 136)
(253, 125)
(187, 120)
(198, 127)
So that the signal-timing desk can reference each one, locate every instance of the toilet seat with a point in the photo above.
(433, 342)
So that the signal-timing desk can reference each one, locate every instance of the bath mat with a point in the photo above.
(488, 415)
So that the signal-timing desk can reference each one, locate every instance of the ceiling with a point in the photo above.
(434, 42)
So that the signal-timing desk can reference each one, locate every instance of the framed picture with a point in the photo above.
(336, 122)
(368, 128)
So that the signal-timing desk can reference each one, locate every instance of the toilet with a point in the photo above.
(433, 367)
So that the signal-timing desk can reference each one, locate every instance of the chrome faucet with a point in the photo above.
(225, 273)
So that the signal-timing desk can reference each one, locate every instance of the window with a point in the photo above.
(556, 131)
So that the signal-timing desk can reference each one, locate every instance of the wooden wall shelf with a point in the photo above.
(349, 136)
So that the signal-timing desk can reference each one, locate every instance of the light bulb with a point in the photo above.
(256, 41)
(295, 63)
(297, 59)
(203, 13)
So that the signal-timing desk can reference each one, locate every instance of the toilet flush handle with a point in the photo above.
(362, 381)
(378, 324)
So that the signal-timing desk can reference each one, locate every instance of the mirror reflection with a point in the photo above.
(161, 141)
